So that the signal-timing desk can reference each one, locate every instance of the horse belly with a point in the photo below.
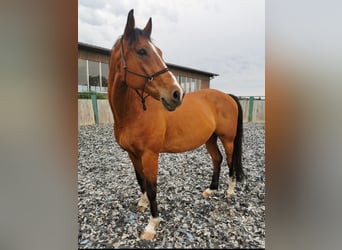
(186, 138)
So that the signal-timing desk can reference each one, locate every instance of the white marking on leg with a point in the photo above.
(143, 202)
(207, 193)
(150, 229)
(231, 187)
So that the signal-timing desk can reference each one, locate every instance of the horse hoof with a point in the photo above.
(207, 193)
(149, 232)
(147, 235)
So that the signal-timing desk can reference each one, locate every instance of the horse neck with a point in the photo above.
(124, 101)
(126, 105)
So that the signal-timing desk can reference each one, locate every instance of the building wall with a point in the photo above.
(204, 79)
(93, 56)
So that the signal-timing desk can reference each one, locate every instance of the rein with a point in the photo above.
(148, 78)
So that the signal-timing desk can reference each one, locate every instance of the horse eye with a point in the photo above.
(142, 52)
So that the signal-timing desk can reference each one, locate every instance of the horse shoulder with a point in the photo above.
(146, 132)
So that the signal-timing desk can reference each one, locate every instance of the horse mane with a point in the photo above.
(135, 34)
(133, 37)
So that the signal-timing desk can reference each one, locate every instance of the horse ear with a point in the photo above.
(130, 24)
(148, 27)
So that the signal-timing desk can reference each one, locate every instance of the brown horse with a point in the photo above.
(142, 93)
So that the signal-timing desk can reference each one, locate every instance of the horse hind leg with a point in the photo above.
(216, 158)
(229, 149)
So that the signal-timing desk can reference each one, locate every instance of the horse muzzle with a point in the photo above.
(174, 100)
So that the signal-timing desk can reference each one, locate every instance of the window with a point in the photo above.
(187, 85)
(193, 87)
(190, 84)
(82, 75)
(197, 84)
(182, 82)
(94, 76)
(104, 77)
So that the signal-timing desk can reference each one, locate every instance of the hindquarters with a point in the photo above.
(211, 112)
(230, 131)
(231, 139)
(229, 128)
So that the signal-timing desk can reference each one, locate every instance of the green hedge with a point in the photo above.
(87, 95)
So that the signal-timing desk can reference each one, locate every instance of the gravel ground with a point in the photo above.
(108, 194)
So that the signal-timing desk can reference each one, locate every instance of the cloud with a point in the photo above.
(98, 4)
(91, 17)
(224, 37)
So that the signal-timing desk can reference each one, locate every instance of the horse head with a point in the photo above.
(144, 69)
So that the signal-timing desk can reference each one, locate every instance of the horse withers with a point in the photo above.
(152, 115)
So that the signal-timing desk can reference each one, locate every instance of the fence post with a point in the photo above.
(96, 112)
(250, 108)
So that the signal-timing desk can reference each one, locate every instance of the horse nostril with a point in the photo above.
(176, 95)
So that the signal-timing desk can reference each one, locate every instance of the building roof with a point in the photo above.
(175, 66)
(94, 48)
(106, 51)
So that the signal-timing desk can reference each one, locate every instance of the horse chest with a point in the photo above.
(128, 139)
(132, 139)
(122, 137)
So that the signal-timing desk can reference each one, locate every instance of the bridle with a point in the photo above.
(148, 78)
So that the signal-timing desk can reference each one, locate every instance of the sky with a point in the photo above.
(225, 37)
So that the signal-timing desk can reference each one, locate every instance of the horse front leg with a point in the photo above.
(150, 169)
(143, 201)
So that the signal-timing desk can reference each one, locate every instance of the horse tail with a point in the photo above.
(237, 153)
